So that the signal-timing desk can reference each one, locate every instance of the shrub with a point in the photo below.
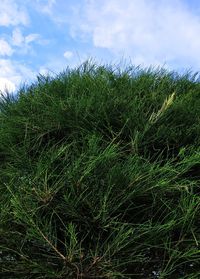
(99, 175)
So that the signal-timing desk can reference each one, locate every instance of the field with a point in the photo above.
(100, 175)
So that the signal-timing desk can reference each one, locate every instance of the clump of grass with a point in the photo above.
(99, 175)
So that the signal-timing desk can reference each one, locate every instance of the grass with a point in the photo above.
(99, 175)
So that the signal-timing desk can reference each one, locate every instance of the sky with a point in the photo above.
(47, 36)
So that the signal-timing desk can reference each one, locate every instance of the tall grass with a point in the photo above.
(99, 175)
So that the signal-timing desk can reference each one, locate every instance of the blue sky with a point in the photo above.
(44, 36)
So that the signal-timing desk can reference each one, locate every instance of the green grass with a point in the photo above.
(100, 175)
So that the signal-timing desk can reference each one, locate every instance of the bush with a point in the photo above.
(99, 175)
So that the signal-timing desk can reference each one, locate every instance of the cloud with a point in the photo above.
(6, 85)
(44, 71)
(5, 48)
(68, 54)
(150, 32)
(18, 39)
(31, 38)
(45, 6)
(12, 14)
(56, 64)
(13, 73)
(48, 7)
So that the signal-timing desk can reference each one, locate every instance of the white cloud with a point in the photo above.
(148, 31)
(68, 54)
(56, 64)
(49, 5)
(45, 6)
(12, 14)
(18, 39)
(44, 71)
(12, 73)
(5, 48)
(6, 84)
(31, 38)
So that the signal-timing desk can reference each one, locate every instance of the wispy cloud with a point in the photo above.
(50, 35)
(68, 54)
(6, 85)
(17, 37)
(5, 48)
(31, 38)
(20, 40)
(12, 14)
(147, 31)
(14, 17)
(13, 73)
(45, 6)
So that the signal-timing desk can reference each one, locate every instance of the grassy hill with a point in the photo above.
(100, 175)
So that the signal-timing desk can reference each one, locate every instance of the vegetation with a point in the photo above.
(99, 175)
